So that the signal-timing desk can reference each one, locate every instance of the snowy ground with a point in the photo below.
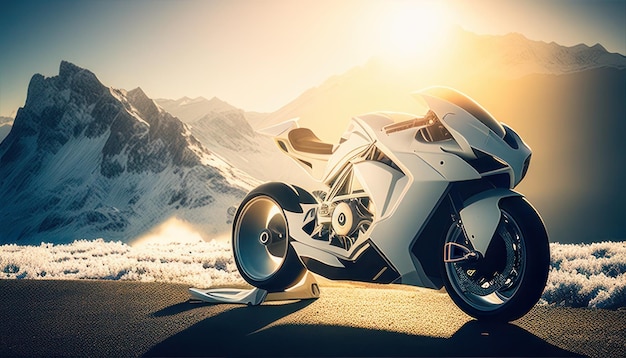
(592, 275)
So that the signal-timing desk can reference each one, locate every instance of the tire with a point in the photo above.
(508, 281)
(261, 247)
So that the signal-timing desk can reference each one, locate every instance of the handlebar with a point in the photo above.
(428, 120)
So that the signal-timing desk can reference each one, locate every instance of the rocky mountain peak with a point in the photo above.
(68, 69)
(84, 160)
(218, 105)
(598, 47)
(72, 83)
(138, 98)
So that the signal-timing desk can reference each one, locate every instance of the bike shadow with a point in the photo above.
(248, 331)
(179, 308)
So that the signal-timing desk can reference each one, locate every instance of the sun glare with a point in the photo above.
(172, 230)
(409, 29)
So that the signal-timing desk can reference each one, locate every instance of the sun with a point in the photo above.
(409, 29)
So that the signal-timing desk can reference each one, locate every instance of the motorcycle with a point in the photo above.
(415, 200)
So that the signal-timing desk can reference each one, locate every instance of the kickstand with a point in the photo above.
(306, 289)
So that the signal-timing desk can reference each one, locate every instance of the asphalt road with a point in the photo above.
(115, 319)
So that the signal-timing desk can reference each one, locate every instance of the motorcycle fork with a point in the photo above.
(451, 249)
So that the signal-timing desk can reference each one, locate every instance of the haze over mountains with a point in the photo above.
(467, 61)
(227, 131)
(87, 161)
(190, 110)
(5, 127)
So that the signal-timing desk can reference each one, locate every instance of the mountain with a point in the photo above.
(5, 127)
(84, 161)
(226, 130)
(513, 55)
(567, 103)
(6, 120)
(192, 109)
(466, 61)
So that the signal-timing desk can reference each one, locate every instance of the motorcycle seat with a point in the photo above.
(304, 140)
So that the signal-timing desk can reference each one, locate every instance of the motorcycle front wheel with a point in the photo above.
(261, 247)
(507, 281)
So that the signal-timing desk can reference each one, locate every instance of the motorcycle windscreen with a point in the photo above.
(464, 102)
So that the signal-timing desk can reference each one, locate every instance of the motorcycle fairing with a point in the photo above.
(378, 180)
(473, 128)
(324, 257)
(369, 266)
(352, 144)
(403, 211)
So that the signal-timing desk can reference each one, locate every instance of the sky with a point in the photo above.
(260, 54)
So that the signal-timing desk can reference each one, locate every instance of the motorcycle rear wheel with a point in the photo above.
(261, 247)
(505, 283)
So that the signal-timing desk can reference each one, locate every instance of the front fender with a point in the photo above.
(480, 216)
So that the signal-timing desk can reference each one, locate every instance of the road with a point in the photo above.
(113, 319)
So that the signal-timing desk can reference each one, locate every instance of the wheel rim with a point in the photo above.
(260, 239)
(489, 282)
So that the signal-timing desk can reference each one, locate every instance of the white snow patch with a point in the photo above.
(199, 263)
(587, 275)
(581, 275)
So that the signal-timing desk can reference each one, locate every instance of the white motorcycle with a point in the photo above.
(417, 200)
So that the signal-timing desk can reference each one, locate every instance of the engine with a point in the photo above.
(341, 222)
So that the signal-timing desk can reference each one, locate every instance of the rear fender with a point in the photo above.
(480, 216)
(289, 197)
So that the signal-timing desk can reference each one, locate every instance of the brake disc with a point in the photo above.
(470, 281)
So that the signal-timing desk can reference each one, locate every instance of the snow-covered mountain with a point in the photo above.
(5, 120)
(85, 161)
(227, 131)
(5, 127)
(192, 109)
